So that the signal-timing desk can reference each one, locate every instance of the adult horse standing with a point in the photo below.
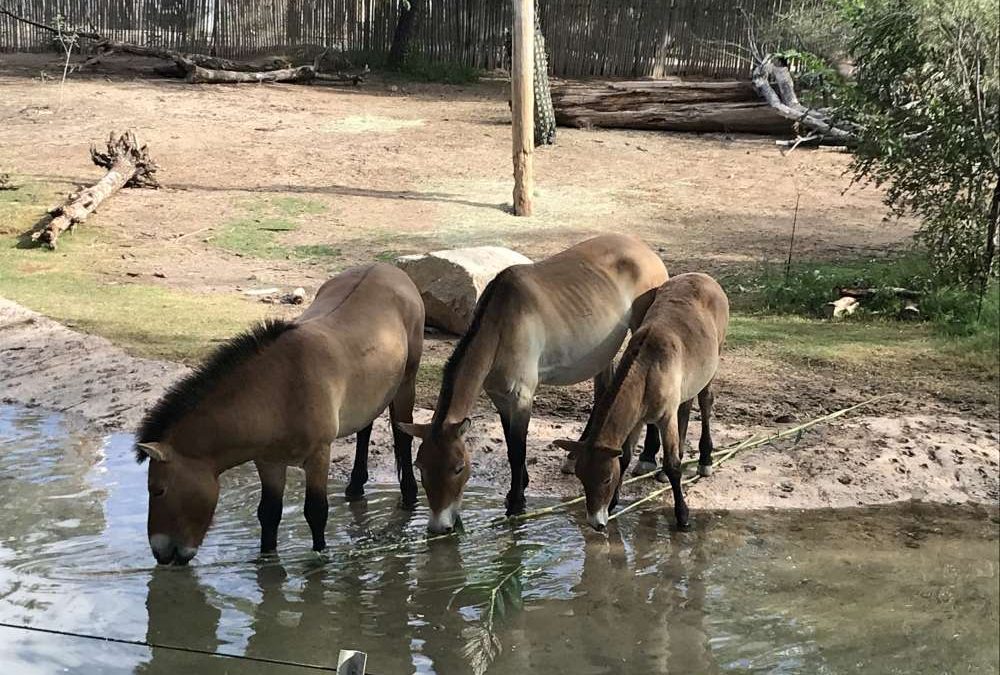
(559, 321)
(278, 395)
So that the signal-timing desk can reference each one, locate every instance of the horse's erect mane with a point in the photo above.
(185, 395)
(455, 360)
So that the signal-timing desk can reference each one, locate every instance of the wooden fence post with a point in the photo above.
(522, 98)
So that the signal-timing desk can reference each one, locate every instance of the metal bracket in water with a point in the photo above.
(350, 662)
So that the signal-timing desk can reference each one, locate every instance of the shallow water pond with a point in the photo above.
(906, 589)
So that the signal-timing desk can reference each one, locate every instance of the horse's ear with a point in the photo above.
(156, 451)
(566, 444)
(415, 430)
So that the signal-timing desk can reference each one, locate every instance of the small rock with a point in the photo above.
(159, 275)
(845, 479)
(785, 486)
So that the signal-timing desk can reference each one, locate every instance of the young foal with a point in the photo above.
(278, 395)
(559, 321)
(671, 358)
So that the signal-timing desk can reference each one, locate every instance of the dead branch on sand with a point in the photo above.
(128, 165)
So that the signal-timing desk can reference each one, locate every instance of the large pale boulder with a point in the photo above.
(451, 282)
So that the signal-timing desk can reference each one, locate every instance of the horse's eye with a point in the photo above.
(607, 481)
(460, 468)
(157, 491)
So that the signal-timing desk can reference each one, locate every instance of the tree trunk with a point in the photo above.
(199, 75)
(127, 163)
(670, 104)
(544, 113)
(402, 37)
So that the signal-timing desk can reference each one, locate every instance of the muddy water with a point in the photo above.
(908, 589)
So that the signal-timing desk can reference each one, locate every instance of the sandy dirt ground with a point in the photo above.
(396, 168)
(866, 458)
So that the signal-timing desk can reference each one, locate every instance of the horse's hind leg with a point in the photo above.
(317, 467)
(359, 473)
(706, 400)
(272, 492)
(651, 446)
(401, 410)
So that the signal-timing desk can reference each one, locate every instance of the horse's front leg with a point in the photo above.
(272, 493)
(515, 415)
(317, 467)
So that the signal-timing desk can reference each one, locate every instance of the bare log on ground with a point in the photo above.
(862, 293)
(128, 165)
(198, 75)
(669, 104)
(786, 104)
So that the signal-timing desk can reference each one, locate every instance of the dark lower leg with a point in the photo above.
(623, 463)
(672, 467)
(317, 468)
(359, 473)
(402, 444)
(272, 490)
(317, 509)
(706, 400)
(651, 445)
(515, 430)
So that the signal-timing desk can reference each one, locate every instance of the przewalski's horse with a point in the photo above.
(559, 321)
(278, 395)
(671, 358)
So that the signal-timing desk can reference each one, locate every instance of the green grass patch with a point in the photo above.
(954, 319)
(259, 234)
(21, 209)
(147, 320)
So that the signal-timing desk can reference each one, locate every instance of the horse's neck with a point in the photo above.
(222, 430)
(621, 408)
(468, 377)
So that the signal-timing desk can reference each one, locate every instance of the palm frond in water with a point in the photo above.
(482, 644)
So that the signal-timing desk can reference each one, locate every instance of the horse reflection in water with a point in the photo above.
(180, 614)
(638, 607)
(309, 614)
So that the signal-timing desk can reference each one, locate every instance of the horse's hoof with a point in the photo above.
(662, 477)
(408, 503)
(643, 467)
(569, 465)
(516, 508)
(354, 495)
(704, 470)
(684, 526)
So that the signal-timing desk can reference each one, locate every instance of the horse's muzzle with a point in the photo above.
(167, 552)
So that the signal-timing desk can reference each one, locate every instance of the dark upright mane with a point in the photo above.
(185, 395)
(602, 407)
(451, 367)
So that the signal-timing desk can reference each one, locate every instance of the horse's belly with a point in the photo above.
(575, 361)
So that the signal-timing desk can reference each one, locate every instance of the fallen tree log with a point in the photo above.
(862, 293)
(786, 104)
(669, 104)
(128, 165)
(198, 75)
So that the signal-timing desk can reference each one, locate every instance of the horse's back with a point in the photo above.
(359, 339)
(571, 312)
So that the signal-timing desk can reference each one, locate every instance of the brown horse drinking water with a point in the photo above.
(278, 395)
(671, 358)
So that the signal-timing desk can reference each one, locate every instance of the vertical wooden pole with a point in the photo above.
(522, 97)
